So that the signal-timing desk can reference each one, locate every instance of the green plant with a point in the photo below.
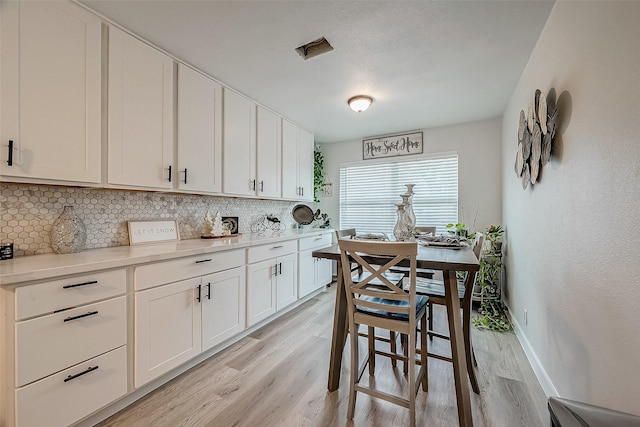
(318, 175)
(494, 235)
(493, 316)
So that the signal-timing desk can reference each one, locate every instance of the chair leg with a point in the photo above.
(353, 377)
(405, 352)
(394, 348)
(430, 314)
(423, 354)
(371, 338)
(468, 347)
(412, 376)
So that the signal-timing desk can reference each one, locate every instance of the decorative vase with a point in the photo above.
(410, 189)
(401, 230)
(408, 208)
(68, 233)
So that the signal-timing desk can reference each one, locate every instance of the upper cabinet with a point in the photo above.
(239, 145)
(297, 160)
(140, 98)
(269, 147)
(199, 132)
(50, 93)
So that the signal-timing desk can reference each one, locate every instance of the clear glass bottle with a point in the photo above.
(68, 233)
(408, 208)
(401, 230)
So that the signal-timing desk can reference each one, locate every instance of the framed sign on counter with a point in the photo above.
(152, 231)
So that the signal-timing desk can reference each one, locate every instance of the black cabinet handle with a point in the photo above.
(10, 157)
(262, 186)
(73, 377)
(185, 175)
(275, 270)
(280, 272)
(93, 282)
(169, 173)
(208, 290)
(199, 297)
(302, 191)
(91, 313)
(253, 184)
(277, 247)
(203, 260)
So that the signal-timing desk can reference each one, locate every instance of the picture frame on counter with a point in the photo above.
(153, 231)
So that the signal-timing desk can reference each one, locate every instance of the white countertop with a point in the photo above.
(46, 266)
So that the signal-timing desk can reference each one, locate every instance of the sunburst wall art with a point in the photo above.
(535, 138)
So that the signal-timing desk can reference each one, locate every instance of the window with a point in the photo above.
(369, 192)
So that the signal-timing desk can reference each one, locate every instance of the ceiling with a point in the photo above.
(425, 63)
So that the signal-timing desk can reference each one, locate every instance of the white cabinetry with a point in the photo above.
(271, 279)
(70, 348)
(140, 118)
(269, 146)
(239, 145)
(314, 273)
(50, 92)
(297, 161)
(199, 132)
(175, 322)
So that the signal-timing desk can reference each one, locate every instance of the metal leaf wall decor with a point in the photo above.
(535, 136)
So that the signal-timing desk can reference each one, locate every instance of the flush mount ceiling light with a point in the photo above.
(360, 103)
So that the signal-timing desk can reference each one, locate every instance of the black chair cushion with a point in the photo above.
(421, 301)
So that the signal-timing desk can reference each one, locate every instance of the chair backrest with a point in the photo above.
(364, 293)
(477, 245)
(347, 232)
(431, 230)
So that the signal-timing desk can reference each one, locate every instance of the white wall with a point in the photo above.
(479, 176)
(573, 241)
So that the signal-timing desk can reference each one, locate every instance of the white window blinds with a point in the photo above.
(369, 192)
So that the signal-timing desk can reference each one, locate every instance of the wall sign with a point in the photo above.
(391, 146)
(152, 231)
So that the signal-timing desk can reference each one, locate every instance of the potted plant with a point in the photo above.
(494, 235)
(457, 229)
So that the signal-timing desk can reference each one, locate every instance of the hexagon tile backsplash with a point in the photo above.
(28, 211)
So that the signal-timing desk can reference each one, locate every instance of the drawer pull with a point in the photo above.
(73, 377)
(277, 247)
(93, 282)
(203, 260)
(91, 313)
(317, 238)
(208, 290)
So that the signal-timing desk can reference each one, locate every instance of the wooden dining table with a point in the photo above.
(446, 260)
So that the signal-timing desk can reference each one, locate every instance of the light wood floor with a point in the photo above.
(277, 376)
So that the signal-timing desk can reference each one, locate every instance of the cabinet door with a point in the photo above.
(290, 187)
(199, 132)
(239, 145)
(223, 306)
(50, 92)
(286, 281)
(269, 134)
(324, 272)
(305, 165)
(306, 273)
(140, 113)
(261, 291)
(167, 328)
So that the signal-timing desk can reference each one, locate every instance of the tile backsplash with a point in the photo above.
(28, 211)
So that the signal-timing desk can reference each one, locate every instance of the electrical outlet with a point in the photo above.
(526, 317)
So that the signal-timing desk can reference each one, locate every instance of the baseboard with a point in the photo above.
(539, 371)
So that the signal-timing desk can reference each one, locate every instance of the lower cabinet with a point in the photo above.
(271, 286)
(176, 322)
(314, 273)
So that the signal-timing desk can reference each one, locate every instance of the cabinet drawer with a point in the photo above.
(60, 401)
(47, 297)
(50, 343)
(260, 253)
(150, 275)
(315, 242)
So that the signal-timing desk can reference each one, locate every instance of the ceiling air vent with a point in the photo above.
(314, 48)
